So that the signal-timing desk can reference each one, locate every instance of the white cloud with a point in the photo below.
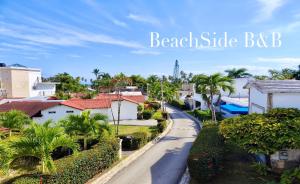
(145, 19)
(62, 36)
(107, 15)
(286, 62)
(267, 8)
(290, 27)
(145, 52)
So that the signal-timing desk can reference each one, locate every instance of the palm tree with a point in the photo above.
(40, 140)
(96, 72)
(6, 157)
(209, 86)
(84, 125)
(14, 120)
(237, 73)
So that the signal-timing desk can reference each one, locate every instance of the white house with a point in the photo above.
(18, 81)
(268, 94)
(41, 111)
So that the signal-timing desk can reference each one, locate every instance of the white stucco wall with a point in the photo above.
(60, 113)
(128, 110)
(286, 100)
(34, 77)
(238, 85)
(258, 98)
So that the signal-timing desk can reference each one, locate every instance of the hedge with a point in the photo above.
(204, 161)
(204, 115)
(78, 169)
(179, 104)
(161, 126)
(139, 139)
(147, 114)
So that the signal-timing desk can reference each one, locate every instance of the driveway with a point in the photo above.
(165, 162)
(150, 122)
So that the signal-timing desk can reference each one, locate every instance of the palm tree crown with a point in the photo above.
(14, 120)
(85, 125)
(237, 73)
(209, 86)
(40, 141)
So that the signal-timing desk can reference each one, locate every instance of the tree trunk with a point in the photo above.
(10, 132)
(119, 112)
(213, 113)
(43, 166)
(84, 143)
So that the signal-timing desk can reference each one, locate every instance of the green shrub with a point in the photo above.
(290, 177)
(140, 108)
(161, 126)
(179, 104)
(147, 114)
(283, 114)
(139, 139)
(206, 154)
(202, 114)
(157, 115)
(77, 169)
(155, 105)
(260, 168)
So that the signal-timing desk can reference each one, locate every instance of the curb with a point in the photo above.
(185, 179)
(128, 160)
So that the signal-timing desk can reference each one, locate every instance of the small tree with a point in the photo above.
(40, 141)
(209, 86)
(84, 125)
(14, 120)
(264, 133)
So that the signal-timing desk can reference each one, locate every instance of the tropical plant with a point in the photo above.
(14, 120)
(96, 72)
(264, 133)
(6, 157)
(84, 126)
(237, 73)
(39, 141)
(209, 86)
(67, 83)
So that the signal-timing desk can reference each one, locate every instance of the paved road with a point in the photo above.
(165, 162)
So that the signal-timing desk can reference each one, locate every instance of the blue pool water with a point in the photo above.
(234, 109)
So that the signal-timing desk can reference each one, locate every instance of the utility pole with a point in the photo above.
(162, 95)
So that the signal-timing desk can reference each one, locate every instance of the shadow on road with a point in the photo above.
(165, 170)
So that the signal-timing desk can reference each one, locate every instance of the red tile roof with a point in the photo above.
(131, 98)
(4, 129)
(29, 107)
(83, 104)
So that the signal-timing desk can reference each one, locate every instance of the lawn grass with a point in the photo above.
(238, 169)
(130, 129)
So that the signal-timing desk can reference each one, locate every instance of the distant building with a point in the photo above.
(267, 94)
(18, 81)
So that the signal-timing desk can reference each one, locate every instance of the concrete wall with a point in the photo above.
(128, 110)
(60, 113)
(286, 100)
(56, 113)
(239, 88)
(257, 101)
(20, 80)
(34, 78)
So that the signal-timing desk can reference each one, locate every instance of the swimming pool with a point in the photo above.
(234, 109)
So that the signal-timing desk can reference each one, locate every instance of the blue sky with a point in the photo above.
(78, 36)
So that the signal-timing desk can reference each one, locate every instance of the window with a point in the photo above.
(69, 111)
(51, 112)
